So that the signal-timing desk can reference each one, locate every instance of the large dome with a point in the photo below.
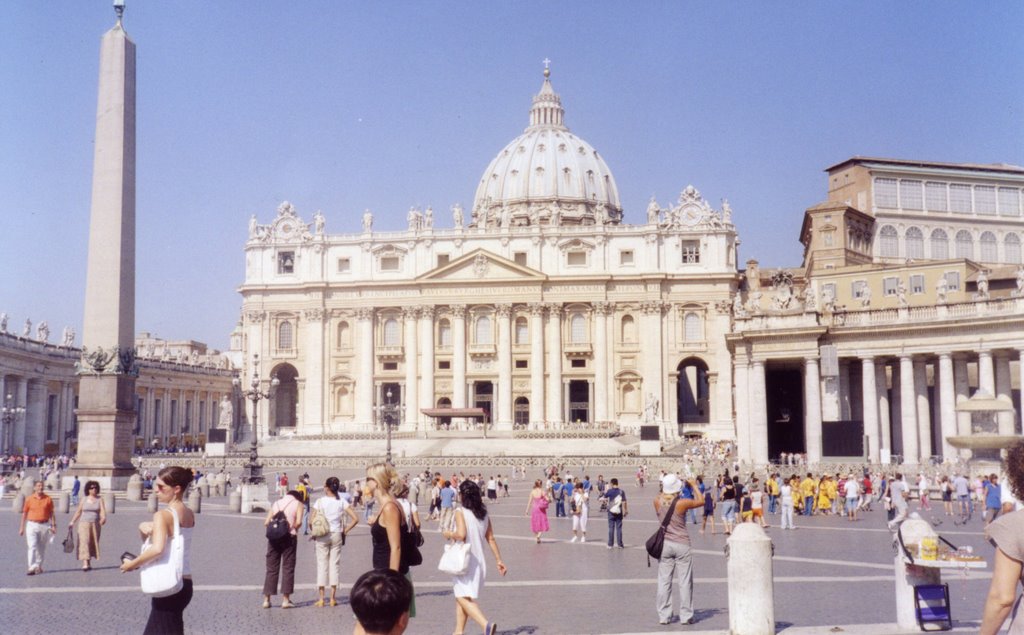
(546, 176)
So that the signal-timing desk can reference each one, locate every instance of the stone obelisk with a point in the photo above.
(106, 401)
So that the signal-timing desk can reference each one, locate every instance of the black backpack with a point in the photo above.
(278, 529)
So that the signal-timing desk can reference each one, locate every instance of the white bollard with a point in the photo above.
(108, 501)
(133, 491)
(751, 581)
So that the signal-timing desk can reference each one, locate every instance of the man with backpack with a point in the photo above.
(557, 493)
(617, 510)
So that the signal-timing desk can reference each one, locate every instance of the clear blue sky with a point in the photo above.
(342, 106)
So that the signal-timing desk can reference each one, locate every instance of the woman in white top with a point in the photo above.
(580, 512)
(328, 546)
(786, 492)
(922, 491)
(473, 526)
(165, 615)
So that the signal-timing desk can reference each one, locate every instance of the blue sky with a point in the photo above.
(342, 106)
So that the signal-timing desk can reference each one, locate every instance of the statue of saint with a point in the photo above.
(252, 226)
(865, 296)
(318, 223)
(457, 215)
(726, 212)
(653, 212)
(68, 337)
(1020, 293)
(737, 306)
(901, 293)
(367, 221)
(227, 413)
(428, 218)
(413, 218)
(27, 331)
(651, 408)
(43, 332)
(810, 298)
(941, 290)
(3, 321)
(753, 276)
(983, 284)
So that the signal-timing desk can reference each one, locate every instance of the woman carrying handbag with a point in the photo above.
(166, 613)
(90, 516)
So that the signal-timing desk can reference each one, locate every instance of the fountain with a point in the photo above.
(986, 441)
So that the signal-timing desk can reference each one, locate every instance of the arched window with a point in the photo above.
(628, 329)
(964, 244)
(344, 335)
(522, 331)
(577, 328)
(1011, 249)
(522, 411)
(940, 245)
(692, 328)
(391, 336)
(915, 243)
(444, 333)
(285, 336)
(989, 252)
(888, 242)
(483, 330)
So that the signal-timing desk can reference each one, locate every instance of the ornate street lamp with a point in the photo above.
(389, 413)
(253, 470)
(10, 412)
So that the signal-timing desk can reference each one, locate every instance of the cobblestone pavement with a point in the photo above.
(828, 572)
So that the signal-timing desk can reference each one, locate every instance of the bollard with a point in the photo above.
(18, 503)
(27, 484)
(195, 501)
(204, 487)
(151, 503)
(64, 502)
(235, 502)
(751, 581)
(108, 501)
(134, 488)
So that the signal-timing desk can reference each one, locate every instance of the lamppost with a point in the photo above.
(10, 412)
(253, 470)
(389, 413)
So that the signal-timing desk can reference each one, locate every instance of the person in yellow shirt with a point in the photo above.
(825, 493)
(807, 489)
(773, 492)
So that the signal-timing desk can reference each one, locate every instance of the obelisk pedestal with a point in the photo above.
(107, 401)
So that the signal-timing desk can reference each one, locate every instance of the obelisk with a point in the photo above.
(106, 400)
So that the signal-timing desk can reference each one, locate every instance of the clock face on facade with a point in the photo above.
(286, 229)
(691, 216)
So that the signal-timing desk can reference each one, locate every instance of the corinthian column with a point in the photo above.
(426, 342)
(555, 364)
(504, 367)
(1004, 390)
(947, 404)
(924, 412)
(870, 407)
(601, 312)
(812, 410)
(536, 365)
(459, 355)
(908, 411)
(411, 397)
(364, 385)
(758, 413)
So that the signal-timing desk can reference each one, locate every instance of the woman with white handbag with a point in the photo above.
(167, 576)
(473, 527)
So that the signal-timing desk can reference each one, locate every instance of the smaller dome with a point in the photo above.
(546, 176)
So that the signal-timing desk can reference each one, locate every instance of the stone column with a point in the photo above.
(812, 409)
(18, 434)
(313, 403)
(653, 350)
(504, 395)
(870, 407)
(600, 396)
(924, 411)
(554, 400)
(536, 364)
(963, 393)
(1004, 390)
(459, 355)
(986, 373)
(427, 393)
(743, 443)
(758, 413)
(410, 324)
(35, 417)
(884, 421)
(947, 404)
(364, 384)
(106, 408)
(908, 411)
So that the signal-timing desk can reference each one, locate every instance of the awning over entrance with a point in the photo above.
(466, 413)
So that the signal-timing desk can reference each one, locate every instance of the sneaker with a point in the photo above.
(686, 622)
(609, 547)
(266, 603)
(573, 539)
(583, 539)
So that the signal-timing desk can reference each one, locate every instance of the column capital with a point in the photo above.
(364, 313)
(410, 313)
(945, 355)
(652, 307)
(870, 359)
(603, 308)
(554, 309)
(458, 310)
(536, 308)
(255, 316)
(503, 310)
(426, 311)
(314, 315)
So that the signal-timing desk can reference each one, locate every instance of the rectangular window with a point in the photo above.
(984, 199)
(389, 263)
(579, 363)
(960, 198)
(576, 258)
(889, 286)
(885, 193)
(917, 283)
(858, 288)
(443, 259)
(910, 194)
(626, 257)
(953, 280)
(444, 364)
(829, 290)
(286, 262)
(935, 196)
(522, 363)
(520, 258)
(691, 252)
(390, 365)
(344, 265)
(1009, 201)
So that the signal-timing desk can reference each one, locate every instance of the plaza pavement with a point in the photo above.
(831, 576)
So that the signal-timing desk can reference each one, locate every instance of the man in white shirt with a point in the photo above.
(852, 493)
(962, 491)
(898, 491)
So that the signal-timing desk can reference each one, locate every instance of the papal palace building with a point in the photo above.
(540, 307)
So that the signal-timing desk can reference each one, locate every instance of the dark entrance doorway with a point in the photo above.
(785, 401)
(483, 396)
(286, 398)
(391, 398)
(579, 401)
(692, 392)
(444, 423)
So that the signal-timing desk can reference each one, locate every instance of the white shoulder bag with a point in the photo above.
(164, 576)
(455, 559)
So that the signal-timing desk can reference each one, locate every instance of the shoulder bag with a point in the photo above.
(319, 526)
(455, 559)
(656, 543)
(164, 576)
(69, 542)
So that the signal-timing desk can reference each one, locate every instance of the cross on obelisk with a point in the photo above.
(106, 400)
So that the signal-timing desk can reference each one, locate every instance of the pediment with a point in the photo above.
(480, 265)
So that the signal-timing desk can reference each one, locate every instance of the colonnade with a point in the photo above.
(48, 415)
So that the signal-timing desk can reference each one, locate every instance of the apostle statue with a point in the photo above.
(252, 226)
(901, 293)
(413, 217)
(367, 221)
(43, 332)
(227, 413)
(651, 408)
(983, 284)
(941, 289)
(318, 223)
(726, 212)
(68, 337)
(428, 218)
(3, 321)
(865, 296)
(27, 331)
(457, 215)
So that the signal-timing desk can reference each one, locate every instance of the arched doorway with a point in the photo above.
(285, 405)
(444, 423)
(693, 405)
(521, 412)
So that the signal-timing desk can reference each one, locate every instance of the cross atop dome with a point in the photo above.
(547, 67)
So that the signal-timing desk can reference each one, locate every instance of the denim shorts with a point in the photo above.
(729, 510)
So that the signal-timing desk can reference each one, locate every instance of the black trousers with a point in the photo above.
(280, 564)
(165, 615)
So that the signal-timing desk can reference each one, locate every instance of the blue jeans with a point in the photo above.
(614, 529)
(560, 507)
(772, 502)
(808, 505)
